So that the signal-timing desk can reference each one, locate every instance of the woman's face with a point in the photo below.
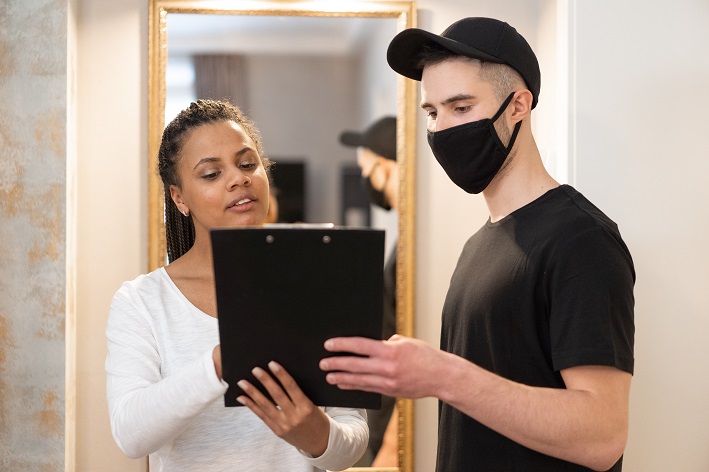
(223, 181)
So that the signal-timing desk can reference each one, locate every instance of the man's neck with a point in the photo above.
(520, 182)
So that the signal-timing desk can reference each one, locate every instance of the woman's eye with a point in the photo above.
(210, 175)
(247, 165)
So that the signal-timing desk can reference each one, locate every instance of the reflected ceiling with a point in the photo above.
(189, 33)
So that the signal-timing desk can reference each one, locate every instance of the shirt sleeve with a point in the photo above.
(146, 410)
(592, 321)
(348, 439)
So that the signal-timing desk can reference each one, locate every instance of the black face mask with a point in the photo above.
(377, 197)
(472, 153)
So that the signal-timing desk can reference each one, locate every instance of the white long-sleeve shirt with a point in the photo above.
(166, 401)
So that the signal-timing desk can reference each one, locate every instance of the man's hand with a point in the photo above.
(399, 367)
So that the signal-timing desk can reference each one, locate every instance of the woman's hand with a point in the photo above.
(293, 417)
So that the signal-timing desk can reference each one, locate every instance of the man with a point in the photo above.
(537, 335)
(376, 158)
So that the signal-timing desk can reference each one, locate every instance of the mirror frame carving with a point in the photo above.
(405, 14)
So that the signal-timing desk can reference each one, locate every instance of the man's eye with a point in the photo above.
(432, 114)
(463, 109)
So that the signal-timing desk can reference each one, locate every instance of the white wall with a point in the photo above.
(300, 120)
(377, 84)
(112, 94)
(376, 79)
(637, 119)
(640, 104)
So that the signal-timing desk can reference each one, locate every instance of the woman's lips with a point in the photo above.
(241, 204)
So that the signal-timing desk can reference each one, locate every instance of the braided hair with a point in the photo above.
(179, 229)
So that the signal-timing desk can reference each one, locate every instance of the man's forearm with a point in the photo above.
(586, 423)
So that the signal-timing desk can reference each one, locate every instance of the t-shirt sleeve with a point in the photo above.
(145, 409)
(592, 302)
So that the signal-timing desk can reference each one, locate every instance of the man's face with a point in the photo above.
(367, 160)
(452, 94)
(374, 167)
(382, 173)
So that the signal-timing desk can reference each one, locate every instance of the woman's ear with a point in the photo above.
(522, 105)
(176, 195)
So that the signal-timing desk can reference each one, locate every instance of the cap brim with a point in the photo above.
(351, 138)
(404, 51)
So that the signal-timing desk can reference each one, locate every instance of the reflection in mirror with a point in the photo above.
(303, 80)
(304, 75)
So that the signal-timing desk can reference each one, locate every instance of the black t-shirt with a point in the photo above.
(546, 288)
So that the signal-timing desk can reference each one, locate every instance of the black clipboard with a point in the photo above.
(283, 290)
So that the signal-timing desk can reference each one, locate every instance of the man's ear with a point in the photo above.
(522, 105)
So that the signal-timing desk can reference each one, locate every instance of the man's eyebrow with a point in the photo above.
(454, 98)
(206, 160)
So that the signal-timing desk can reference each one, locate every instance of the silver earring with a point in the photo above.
(184, 212)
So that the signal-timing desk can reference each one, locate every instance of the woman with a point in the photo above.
(163, 369)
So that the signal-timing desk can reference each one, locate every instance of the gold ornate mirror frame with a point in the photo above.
(405, 14)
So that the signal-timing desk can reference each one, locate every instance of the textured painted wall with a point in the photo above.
(33, 129)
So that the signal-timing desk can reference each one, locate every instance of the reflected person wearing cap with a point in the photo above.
(537, 333)
(376, 158)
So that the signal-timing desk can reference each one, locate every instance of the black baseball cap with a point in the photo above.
(481, 38)
(380, 137)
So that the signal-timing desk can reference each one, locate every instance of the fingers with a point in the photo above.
(254, 399)
(374, 356)
(365, 382)
(257, 402)
(370, 373)
(274, 415)
(355, 345)
(354, 364)
(279, 396)
(291, 387)
(285, 393)
(291, 415)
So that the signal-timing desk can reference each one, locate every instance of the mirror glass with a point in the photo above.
(304, 74)
(303, 80)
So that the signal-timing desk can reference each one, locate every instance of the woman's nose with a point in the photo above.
(239, 178)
